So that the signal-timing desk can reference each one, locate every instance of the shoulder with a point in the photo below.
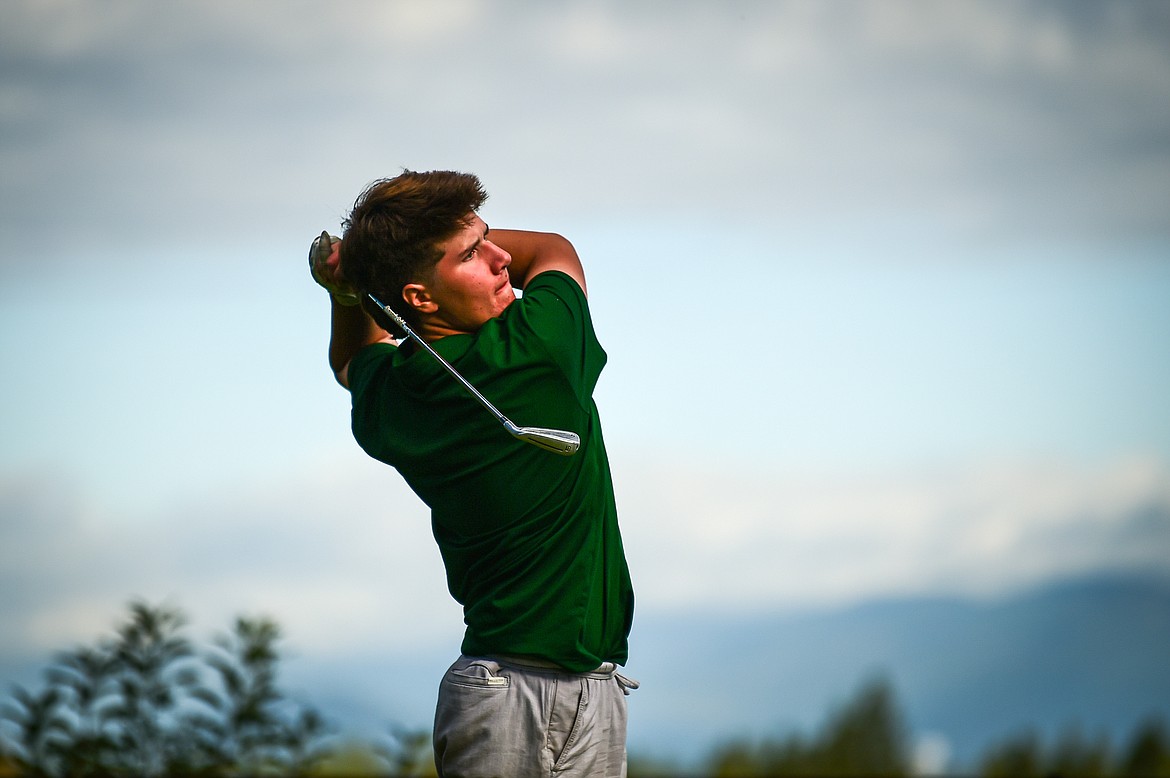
(556, 284)
(551, 324)
(364, 365)
(552, 302)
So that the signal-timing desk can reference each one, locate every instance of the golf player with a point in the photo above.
(529, 537)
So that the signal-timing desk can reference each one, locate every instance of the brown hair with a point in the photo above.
(393, 233)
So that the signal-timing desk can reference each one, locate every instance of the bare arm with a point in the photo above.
(536, 252)
(352, 329)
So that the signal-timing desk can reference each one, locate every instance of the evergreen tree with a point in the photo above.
(42, 733)
(147, 704)
(865, 737)
(1016, 757)
(406, 753)
(154, 679)
(255, 729)
(1074, 755)
(1148, 755)
(86, 679)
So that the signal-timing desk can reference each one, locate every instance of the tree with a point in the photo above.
(86, 679)
(255, 729)
(1016, 757)
(146, 703)
(1148, 755)
(154, 679)
(865, 737)
(41, 730)
(1073, 754)
(406, 752)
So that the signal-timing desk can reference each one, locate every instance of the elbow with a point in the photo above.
(340, 367)
(561, 245)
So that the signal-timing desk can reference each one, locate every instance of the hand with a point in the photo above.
(325, 265)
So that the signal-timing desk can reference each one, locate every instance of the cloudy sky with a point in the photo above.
(884, 287)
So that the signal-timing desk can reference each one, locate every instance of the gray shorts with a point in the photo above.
(516, 717)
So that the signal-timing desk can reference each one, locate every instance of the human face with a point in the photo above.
(469, 285)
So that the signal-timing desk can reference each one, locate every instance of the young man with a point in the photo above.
(529, 539)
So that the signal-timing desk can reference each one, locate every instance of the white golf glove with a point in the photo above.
(325, 265)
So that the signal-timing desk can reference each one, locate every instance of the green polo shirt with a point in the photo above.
(529, 538)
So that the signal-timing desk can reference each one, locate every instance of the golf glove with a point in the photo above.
(325, 265)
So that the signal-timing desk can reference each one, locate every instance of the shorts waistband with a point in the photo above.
(604, 670)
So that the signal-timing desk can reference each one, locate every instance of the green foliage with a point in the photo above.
(865, 737)
(1017, 757)
(1075, 756)
(248, 735)
(42, 730)
(147, 704)
(1148, 754)
(406, 753)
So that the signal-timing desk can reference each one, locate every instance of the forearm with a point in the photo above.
(352, 329)
(535, 252)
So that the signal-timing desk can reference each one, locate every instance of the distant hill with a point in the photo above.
(1093, 653)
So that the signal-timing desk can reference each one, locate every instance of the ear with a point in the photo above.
(418, 298)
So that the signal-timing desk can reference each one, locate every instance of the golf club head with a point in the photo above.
(556, 441)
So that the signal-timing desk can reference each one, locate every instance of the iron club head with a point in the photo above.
(560, 442)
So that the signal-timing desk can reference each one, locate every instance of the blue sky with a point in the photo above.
(884, 287)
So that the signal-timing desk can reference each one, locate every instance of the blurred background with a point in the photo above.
(885, 288)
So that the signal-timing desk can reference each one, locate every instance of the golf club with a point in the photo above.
(557, 441)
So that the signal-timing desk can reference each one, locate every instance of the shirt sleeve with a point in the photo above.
(555, 311)
(365, 363)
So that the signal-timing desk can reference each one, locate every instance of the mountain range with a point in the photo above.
(1090, 655)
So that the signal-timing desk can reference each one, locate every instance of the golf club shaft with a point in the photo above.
(557, 441)
(410, 333)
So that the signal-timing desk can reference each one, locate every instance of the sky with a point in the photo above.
(883, 286)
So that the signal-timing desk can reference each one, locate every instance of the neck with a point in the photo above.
(432, 328)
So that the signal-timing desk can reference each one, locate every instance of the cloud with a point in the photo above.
(221, 122)
(757, 540)
(341, 554)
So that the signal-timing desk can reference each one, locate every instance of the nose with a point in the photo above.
(500, 258)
